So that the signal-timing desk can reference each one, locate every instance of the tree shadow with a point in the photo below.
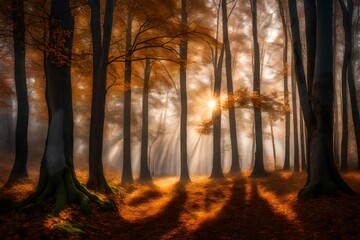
(248, 216)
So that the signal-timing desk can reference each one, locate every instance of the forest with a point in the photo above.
(179, 119)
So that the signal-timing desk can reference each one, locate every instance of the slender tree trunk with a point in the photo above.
(145, 175)
(324, 177)
(273, 141)
(336, 108)
(21, 145)
(184, 172)
(97, 179)
(235, 165)
(286, 87)
(259, 169)
(347, 24)
(302, 143)
(127, 170)
(295, 122)
(217, 171)
(310, 30)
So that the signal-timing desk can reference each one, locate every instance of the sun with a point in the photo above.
(211, 104)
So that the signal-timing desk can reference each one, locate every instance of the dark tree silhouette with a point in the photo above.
(259, 169)
(235, 165)
(145, 175)
(101, 47)
(21, 144)
(184, 172)
(286, 86)
(323, 176)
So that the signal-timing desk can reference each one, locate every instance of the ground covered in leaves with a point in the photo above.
(234, 208)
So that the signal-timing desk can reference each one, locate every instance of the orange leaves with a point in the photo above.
(273, 103)
(58, 48)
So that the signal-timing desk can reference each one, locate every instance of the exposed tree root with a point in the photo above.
(65, 189)
(100, 185)
(324, 188)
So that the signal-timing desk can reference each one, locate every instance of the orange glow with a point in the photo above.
(212, 104)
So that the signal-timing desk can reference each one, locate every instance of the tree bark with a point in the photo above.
(127, 170)
(184, 172)
(97, 179)
(145, 175)
(295, 123)
(21, 145)
(348, 69)
(286, 87)
(57, 176)
(310, 30)
(235, 165)
(217, 171)
(324, 177)
(259, 169)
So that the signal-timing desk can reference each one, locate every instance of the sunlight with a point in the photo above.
(212, 104)
(281, 207)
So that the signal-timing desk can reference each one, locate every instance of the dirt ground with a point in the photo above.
(234, 208)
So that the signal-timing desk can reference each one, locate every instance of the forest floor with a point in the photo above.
(233, 208)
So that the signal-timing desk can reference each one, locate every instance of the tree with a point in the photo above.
(184, 172)
(235, 166)
(286, 86)
(145, 175)
(101, 47)
(344, 74)
(348, 68)
(21, 146)
(295, 123)
(259, 169)
(57, 176)
(310, 32)
(126, 176)
(323, 176)
(217, 171)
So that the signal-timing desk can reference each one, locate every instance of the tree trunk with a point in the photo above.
(97, 179)
(217, 171)
(235, 165)
(347, 24)
(57, 176)
(310, 30)
(259, 169)
(295, 122)
(184, 172)
(286, 87)
(127, 170)
(145, 175)
(21, 146)
(302, 143)
(323, 175)
(336, 107)
(272, 141)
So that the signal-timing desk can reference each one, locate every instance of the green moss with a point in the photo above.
(71, 229)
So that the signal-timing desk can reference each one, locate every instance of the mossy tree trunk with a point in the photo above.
(97, 179)
(57, 176)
